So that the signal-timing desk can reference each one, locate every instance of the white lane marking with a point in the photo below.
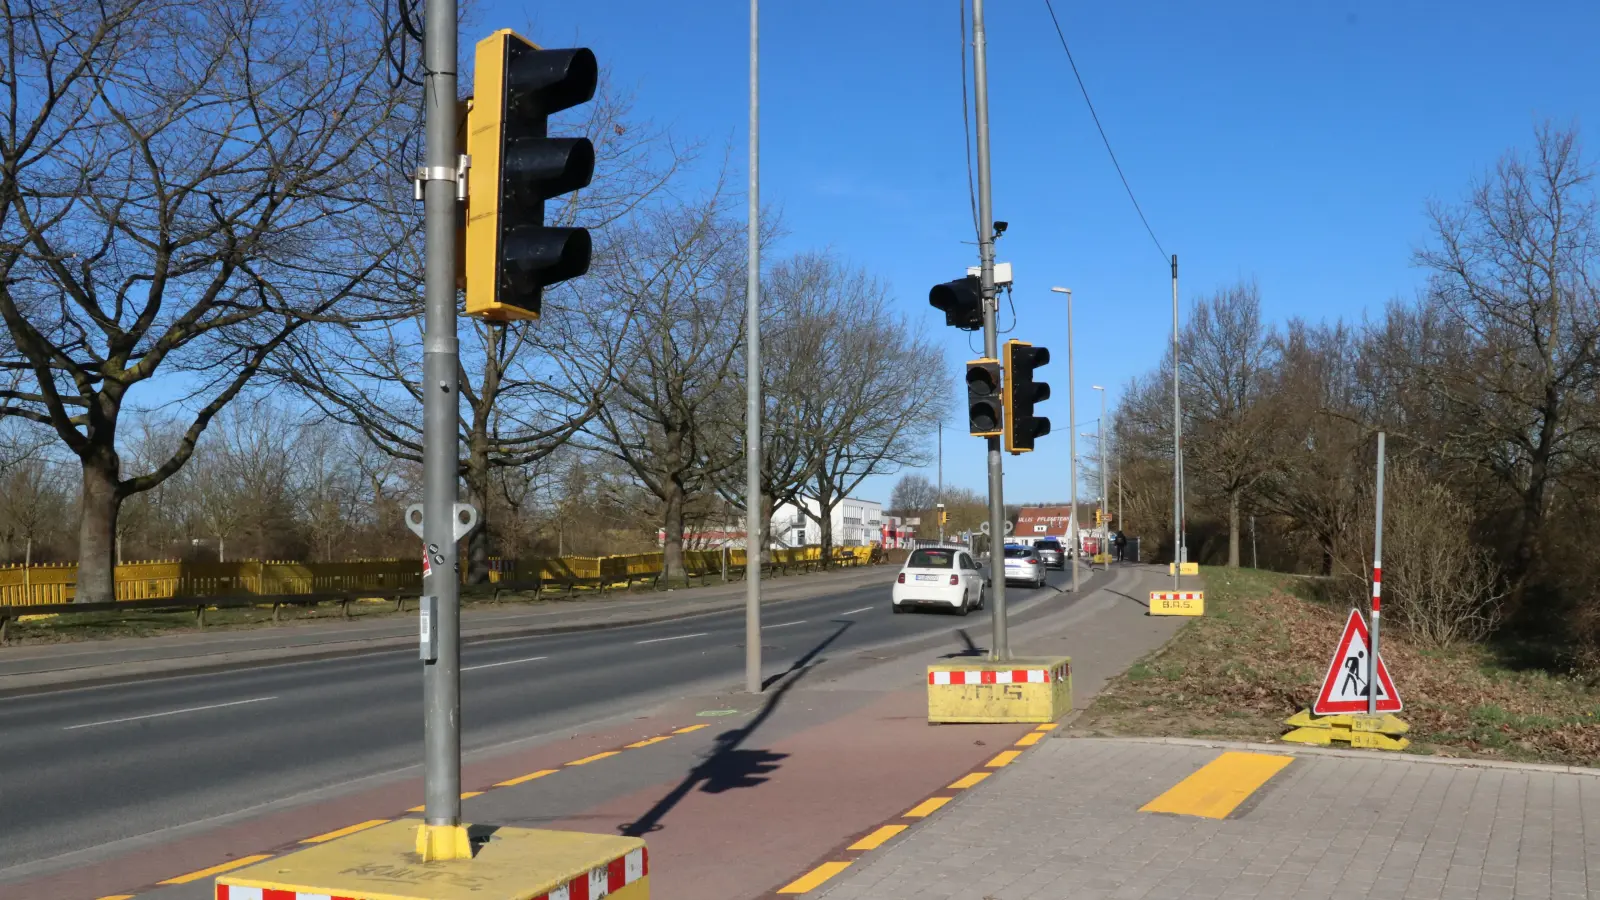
(509, 662)
(854, 611)
(676, 637)
(170, 712)
(784, 624)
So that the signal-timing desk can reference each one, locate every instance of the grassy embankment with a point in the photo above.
(1261, 650)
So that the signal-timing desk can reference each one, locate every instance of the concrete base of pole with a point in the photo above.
(436, 843)
(1030, 689)
(505, 864)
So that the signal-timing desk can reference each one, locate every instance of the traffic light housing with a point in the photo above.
(962, 302)
(511, 254)
(1021, 393)
(1099, 517)
(985, 402)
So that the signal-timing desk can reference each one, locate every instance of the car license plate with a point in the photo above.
(927, 578)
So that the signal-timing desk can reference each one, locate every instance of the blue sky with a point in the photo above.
(1296, 143)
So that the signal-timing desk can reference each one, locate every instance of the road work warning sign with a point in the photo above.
(1177, 603)
(1345, 688)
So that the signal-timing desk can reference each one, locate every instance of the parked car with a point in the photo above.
(1023, 564)
(940, 578)
(1051, 553)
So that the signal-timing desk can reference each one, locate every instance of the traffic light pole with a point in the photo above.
(441, 836)
(1001, 650)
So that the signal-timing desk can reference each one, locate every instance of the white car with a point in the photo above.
(940, 578)
(1023, 564)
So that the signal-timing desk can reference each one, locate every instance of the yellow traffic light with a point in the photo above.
(1021, 393)
(511, 254)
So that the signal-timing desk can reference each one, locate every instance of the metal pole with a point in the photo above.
(1177, 442)
(1072, 445)
(752, 397)
(939, 504)
(1377, 585)
(441, 680)
(1255, 562)
(991, 335)
(1105, 492)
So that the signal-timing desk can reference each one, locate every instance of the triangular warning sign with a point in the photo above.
(1344, 690)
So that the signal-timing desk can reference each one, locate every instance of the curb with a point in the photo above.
(1456, 761)
(355, 647)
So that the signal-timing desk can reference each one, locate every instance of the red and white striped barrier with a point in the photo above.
(1014, 676)
(597, 883)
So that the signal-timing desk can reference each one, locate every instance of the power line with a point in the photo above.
(1105, 140)
(966, 122)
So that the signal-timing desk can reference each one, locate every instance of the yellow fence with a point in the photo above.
(46, 584)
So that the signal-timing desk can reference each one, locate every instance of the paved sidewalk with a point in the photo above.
(1065, 823)
(40, 666)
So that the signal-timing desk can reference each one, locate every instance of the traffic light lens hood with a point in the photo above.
(541, 82)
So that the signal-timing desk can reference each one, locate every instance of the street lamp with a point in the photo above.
(1072, 437)
(1105, 526)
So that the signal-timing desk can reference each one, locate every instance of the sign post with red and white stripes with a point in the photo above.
(1377, 586)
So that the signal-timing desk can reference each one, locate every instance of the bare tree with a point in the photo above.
(183, 185)
(1227, 360)
(1516, 269)
(913, 495)
(674, 414)
(880, 390)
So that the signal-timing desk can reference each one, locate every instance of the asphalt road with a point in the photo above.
(80, 768)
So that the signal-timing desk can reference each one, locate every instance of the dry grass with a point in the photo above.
(1260, 652)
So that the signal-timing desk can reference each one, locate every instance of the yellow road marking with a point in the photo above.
(814, 878)
(692, 728)
(878, 838)
(229, 866)
(118, 897)
(350, 829)
(1048, 726)
(509, 782)
(595, 758)
(648, 741)
(927, 807)
(1029, 739)
(1219, 786)
(465, 796)
(967, 781)
(1003, 758)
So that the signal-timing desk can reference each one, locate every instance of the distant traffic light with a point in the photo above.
(1021, 393)
(1099, 517)
(962, 302)
(984, 400)
(511, 254)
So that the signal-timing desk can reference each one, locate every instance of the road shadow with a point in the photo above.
(1143, 603)
(730, 765)
(970, 649)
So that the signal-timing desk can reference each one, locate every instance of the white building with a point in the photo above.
(856, 523)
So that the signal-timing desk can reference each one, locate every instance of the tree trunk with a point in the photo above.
(764, 530)
(672, 544)
(1233, 529)
(825, 504)
(97, 527)
(478, 495)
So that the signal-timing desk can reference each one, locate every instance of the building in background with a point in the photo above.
(1035, 522)
(856, 523)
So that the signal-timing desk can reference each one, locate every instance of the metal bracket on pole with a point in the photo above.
(465, 519)
(442, 173)
(414, 519)
(428, 613)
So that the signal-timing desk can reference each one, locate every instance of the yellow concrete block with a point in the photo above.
(381, 863)
(1177, 603)
(1033, 689)
(441, 842)
(1384, 723)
